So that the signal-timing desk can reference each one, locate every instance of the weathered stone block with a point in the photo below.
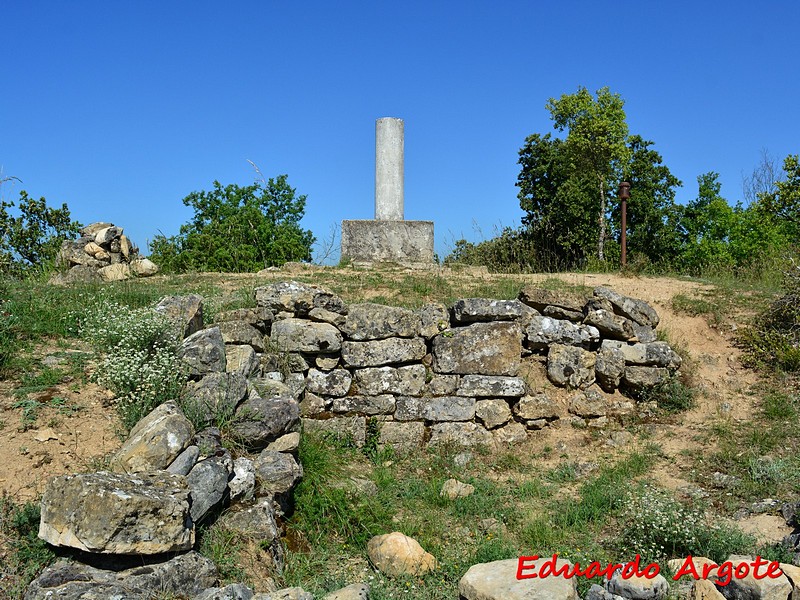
(543, 332)
(537, 406)
(352, 428)
(570, 366)
(366, 405)
(203, 352)
(635, 310)
(298, 298)
(406, 381)
(376, 322)
(329, 383)
(492, 386)
(480, 348)
(473, 310)
(445, 408)
(405, 436)
(388, 351)
(300, 335)
(492, 413)
(403, 242)
(466, 435)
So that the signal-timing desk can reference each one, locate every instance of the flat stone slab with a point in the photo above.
(147, 513)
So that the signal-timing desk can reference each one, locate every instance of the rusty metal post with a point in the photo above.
(624, 195)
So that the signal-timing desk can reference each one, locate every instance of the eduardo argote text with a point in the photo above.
(723, 573)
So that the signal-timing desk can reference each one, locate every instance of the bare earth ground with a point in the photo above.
(67, 443)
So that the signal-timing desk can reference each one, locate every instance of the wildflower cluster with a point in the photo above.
(140, 364)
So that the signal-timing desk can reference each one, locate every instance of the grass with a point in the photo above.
(27, 555)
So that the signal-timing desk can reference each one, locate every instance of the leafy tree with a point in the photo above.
(596, 136)
(238, 229)
(32, 238)
(784, 200)
(707, 222)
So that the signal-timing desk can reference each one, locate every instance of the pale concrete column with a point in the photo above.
(389, 169)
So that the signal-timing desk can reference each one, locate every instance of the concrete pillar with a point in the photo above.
(389, 169)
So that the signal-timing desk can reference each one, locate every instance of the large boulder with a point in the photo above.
(480, 348)
(498, 581)
(376, 322)
(145, 513)
(301, 335)
(395, 554)
(155, 441)
(203, 352)
(187, 311)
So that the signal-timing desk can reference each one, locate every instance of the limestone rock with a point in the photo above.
(375, 322)
(185, 461)
(144, 578)
(365, 405)
(243, 484)
(294, 593)
(77, 274)
(263, 420)
(510, 434)
(395, 554)
(609, 367)
(92, 249)
(442, 385)
(563, 314)
(234, 591)
(208, 482)
(588, 404)
(374, 381)
(326, 362)
(203, 352)
(768, 588)
(703, 589)
(330, 383)
(91, 230)
(480, 348)
(325, 316)
(388, 351)
(473, 310)
(117, 272)
(260, 318)
(570, 366)
(597, 592)
(299, 298)
(256, 522)
(492, 413)
(492, 386)
(635, 310)
(143, 267)
(402, 436)
(445, 408)
(107, 234)
(542, 332)
(537, 406)
(638, 379)
(357, 591)
(638, 588)
(311, 405)
(435, 318)
(289, 442)
(452, 489)
(276, 472)
(653, 354)
(214, 397)
(300, 335)
(497, 580)
(240, 332)
(540, 299)
(465, 435)
(610, 325)
(241, 360)
(352, 429)
(155, 441)
(187, 311)
(145, 513)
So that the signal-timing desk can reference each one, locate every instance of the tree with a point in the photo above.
(32, 238)
(784, 200)
(238, 229)
(762, 181)
(707, 223)
(597, 132)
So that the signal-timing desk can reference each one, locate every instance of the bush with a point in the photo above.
(511, 252)
(32, 239)
(237, 229)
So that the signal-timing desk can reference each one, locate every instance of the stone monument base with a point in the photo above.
(403, 242)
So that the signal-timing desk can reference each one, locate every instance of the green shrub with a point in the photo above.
(511, 252)
(671, 395)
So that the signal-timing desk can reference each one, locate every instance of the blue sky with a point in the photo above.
(122, 108)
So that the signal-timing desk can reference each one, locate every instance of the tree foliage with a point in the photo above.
(31, 234)
(238, 229)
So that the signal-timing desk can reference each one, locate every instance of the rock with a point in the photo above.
(145, 578)
(331, 383)
(326, 362)
(125, 247)
(435, 318)
(376, 322)
(241, 360)
(260, 318)
(350, 429)
(117, 272)
(570, 366)
(473, 310)
(209, 442)
(299, 335)
(395, 554)
(187, 311)
(326, 316)
(564, 314)
(442, 385)
(638, 588)
(655, 354)
(92, 249)
(107, 234)
(498, 581)
(365, 405)
(77, 274)
(744, 588)
(610, 325)
(540, 299)
(243, 484)
(256, 522)
(357, 591)
(702, 589)
(299, 298)
(588, 404)
(311, 405)
(466, 435)
(92, 229)
(155, 441)
(638, 379)
(405, 437)
(643, 333)
(598, 593)
(374, 381)
(445, 408)
(185, 461)
(537, 406)
(635, 310)
(234, 591)
(388, 351)
(260, 421)
(203, 352)
(146, 513)
(143, 267)
(492, 413)
(208, 482)
(480, 348)
(452, 489)
(294, 593)
(286, 443)
(609, 367)
(543, 332)
(792, 573)
(510, 434)
(276, 472)
(214, 398)
(492, 386)
(239, 332)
